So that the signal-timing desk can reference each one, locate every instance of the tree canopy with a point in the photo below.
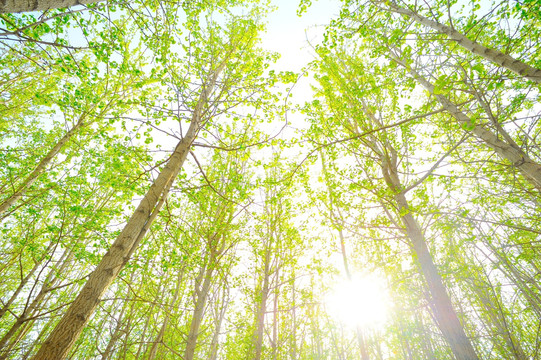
(163, 195)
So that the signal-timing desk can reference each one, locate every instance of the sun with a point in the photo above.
(360, 301)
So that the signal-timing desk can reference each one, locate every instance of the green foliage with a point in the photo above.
(271, 218)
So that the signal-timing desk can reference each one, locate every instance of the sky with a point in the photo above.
(288, 33)
(291, 36)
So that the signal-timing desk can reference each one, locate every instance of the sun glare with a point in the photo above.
(362, 301)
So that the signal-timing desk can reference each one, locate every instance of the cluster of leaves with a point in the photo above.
(422, 163)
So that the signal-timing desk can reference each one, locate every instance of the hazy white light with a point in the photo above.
(362, 301)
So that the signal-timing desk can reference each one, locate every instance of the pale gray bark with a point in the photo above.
(495, 56)
(262, 309)
(32, 177)
(441, 304)
(165, 324)
(141, 348)
(29, 311)
(202, 291)
(16, 6)
(121, 327)
(213, 353)
(442, 307)
(67, 331)
(530, 169)
(22, 284)
(117, 333)
(497, 317)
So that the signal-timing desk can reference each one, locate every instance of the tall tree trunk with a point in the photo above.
(64, 335)
(201, 292)
(213, 353)
(140, 352)
(276, 317)
(118, 332)
(23, 282)
(262, 310)
(513, 274)
(169, 311)
(496, 316)
(293, 338)
(495, 56)
(444, 313)
(32, 177)
(37, 340)
(29, 310)
(530, 169)
(15, 6)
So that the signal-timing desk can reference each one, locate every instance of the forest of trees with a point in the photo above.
(162, 196)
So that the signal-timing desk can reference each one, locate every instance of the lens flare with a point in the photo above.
(362, 301)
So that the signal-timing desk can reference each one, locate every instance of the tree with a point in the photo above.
(163, 196)
(366, 115)
(498, 57)
(223, 54)
(15, 6)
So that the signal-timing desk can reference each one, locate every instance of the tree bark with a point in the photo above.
(117, 333)
(67, 331)
(444, 313)
(262, 309)
(171, 307)
(22, 284)
(442, 306)
(530, 169)
(17, 6)
(31, 178)
(48, 284)
(199, 310)
(141, 350)
(213, 352)
(496, 316)
(495, 56)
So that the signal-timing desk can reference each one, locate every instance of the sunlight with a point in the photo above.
(362, 301)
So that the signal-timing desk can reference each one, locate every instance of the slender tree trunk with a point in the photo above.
(293, 338)
(171, 307)
(276, 318)
(512, 273)
(444, 312)
(497, 318)
(52, 245)
(140, 351)
(118, 332)
(213, 353)
(37, 340)
(530, 169)
(64, 335)
(495, 56)
(15, 6)
(262, 309)
(32, 177)
(23, 282)
(199, 310)
(316, 336)
(126, 334)
(442, 306)
(29, 310)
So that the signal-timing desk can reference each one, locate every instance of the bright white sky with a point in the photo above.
(288, 33)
